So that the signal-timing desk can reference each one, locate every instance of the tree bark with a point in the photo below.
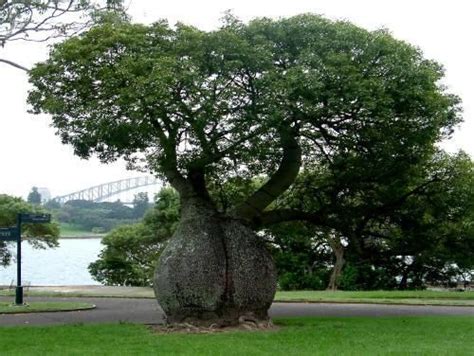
(338, 250)
(214, 270)
(403, 285)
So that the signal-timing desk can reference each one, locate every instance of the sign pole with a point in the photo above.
(19, 287)
(14, 234)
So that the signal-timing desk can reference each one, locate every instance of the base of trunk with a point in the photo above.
(219, 319)
(197, 329)
(215, 271)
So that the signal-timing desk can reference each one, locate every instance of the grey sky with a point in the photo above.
(31, 155)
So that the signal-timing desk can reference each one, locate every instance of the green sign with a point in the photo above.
(35, 218)
(8, 234)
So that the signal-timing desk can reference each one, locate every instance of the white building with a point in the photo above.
(45, 194)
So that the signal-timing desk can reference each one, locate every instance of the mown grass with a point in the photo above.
(36, 307)
(424, 297)
(71, 230)
(378, 294)
(84, 292)
(297, 336)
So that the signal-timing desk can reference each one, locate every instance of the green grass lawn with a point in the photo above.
(298, 336)
(425, 297)
(389, 297)
(35, 307)
(70, 230)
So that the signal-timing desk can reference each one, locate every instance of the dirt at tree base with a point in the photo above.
(186, 328)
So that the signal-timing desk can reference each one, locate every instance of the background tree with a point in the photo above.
(433, 241)
(39, 235)
(130, 252)
(95, 217)
(52, 205)
(42, 20)
(128, 257)
(257, 100)
(34, 197)
(384, 227)
(301, 255)
(141, 204)
(426, 239)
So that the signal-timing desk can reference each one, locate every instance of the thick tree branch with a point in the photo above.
(394, 204)
(169, 161)
(197, 179)
(279, 182)
(219, 154)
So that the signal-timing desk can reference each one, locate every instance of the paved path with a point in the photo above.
(147, 311)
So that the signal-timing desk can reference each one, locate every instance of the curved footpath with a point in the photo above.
(147, 311)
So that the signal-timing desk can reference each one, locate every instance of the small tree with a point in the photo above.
(34, 197)
(39, 235)
(130, 252)
(260, 101)
(141, 204)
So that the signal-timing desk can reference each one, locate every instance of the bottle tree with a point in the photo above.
(262, 100)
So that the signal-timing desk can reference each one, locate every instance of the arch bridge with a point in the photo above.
(101, 192)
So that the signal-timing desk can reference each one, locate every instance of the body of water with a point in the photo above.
(64, 265)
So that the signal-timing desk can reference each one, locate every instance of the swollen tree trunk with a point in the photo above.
(215, 270)
(338, 250)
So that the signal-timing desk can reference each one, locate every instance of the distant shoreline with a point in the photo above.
(82, 237)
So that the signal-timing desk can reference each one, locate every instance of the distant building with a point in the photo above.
(45, 194)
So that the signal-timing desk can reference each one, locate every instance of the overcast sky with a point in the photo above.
(31, 155)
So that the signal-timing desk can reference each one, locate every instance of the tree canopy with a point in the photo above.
(39, 235)
(259, 99)
(418, 227)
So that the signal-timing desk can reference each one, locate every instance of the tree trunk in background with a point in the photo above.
(215, 270)
(404, 280)
(338, 250)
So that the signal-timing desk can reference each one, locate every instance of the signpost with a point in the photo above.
(8, 233)
(35, 218)
(14, 234)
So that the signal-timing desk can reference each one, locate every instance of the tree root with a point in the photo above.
(246, 323)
